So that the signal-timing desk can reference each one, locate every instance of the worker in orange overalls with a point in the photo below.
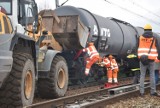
(112, 69)
(93, 57)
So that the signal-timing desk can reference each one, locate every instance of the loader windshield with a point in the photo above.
(6, 6)
(27, 15)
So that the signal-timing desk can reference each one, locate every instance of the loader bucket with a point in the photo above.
(68, 31)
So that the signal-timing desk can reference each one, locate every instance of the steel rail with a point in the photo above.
(112, 99)
(85, 99)
(80, 98)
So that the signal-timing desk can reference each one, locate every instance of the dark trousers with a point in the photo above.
(156, 76)
(136, 77)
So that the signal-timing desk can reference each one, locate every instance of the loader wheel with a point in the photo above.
(18, 89)
(56, 85)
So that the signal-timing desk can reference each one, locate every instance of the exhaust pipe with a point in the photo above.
(57, 3)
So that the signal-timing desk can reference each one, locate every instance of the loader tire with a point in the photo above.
(56, 85)
(18, 89)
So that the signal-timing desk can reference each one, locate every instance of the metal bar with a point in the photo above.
(122, 89)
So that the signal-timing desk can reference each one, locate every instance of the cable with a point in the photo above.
(134, 3)
(157, 23)
(64, 3)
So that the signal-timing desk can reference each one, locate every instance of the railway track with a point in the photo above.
(94, 99)
(95, 83)
(91, 86)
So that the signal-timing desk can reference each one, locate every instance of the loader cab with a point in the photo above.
(27, 12)
(5, 24)
(21, 13)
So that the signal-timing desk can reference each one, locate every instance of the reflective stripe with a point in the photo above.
(110, 80)
(115, 80)
(88, 51)
(94, 55)
(86, 69)
(147, 49)
(153, 55)
(93, 52)
(116, 67)
(147, 52)
(104, 62)
(131, 56)
(135, 69)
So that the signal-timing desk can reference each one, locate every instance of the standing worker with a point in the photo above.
(133, 63)
(147, 53)
(112, 69)
(93, 57)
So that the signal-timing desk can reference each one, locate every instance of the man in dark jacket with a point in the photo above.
(133, 64)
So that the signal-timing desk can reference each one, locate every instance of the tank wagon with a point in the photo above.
(110, 36)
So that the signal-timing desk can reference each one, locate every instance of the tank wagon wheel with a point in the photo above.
(56, 85)
(18, 90)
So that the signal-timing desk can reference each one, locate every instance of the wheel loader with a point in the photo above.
(28, 61)
(18, 67)
(18, 52)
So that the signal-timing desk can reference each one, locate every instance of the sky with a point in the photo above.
(135, 12)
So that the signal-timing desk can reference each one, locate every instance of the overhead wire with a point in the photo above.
(157, 23)
(134, 3)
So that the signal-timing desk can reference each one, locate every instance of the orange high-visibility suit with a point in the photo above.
(112, 68)
(93, 57)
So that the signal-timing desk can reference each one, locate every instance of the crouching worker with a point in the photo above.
(93, 56)
(112, 70)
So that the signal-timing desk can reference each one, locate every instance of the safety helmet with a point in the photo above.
(147, 27)
(110, 56)
(90, 44)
